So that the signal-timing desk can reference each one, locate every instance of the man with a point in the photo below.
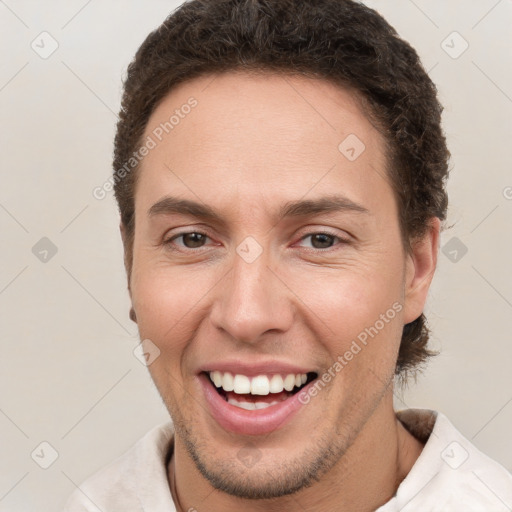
(280, 171)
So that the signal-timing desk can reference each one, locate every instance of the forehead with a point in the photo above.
(261, 138)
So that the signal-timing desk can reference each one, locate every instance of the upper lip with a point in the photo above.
(252, 369)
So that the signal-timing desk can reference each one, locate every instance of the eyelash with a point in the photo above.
(341, 240)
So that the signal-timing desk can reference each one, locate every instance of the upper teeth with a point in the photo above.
(260, 385)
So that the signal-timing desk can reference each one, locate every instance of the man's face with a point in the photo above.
(263, 295)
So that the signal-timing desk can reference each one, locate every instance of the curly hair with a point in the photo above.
(342, 41)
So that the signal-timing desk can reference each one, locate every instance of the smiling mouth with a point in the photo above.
(260, 392)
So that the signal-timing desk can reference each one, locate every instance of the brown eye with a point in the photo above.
(190, 240)
(322, 240)
(193, 240)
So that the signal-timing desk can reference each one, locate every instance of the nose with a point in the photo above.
(252, 301)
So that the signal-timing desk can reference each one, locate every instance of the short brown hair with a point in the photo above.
(342, 41)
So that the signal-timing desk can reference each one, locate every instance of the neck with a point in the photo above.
(366, 477)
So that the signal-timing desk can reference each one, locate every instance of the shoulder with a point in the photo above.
(128, 482)
(451, 473)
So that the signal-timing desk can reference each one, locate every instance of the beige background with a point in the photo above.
(68, 375)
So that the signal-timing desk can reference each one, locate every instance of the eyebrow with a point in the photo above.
(334, 203)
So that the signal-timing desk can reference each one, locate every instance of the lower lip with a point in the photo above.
(253, 423)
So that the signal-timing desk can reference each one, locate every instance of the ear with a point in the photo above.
(127, 264)
(127, 252)
(419, 271)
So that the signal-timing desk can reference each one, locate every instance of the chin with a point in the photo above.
(259, 474)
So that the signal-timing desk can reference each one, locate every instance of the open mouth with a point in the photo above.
(259, 392)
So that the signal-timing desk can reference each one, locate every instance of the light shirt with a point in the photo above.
(450, 475)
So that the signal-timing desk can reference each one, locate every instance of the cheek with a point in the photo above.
(364, 338)
(166, 301)
(349, 300)
(357, 318)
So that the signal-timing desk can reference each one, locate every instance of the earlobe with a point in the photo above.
(420, 269)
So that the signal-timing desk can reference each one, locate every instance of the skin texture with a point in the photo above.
(252, 144)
